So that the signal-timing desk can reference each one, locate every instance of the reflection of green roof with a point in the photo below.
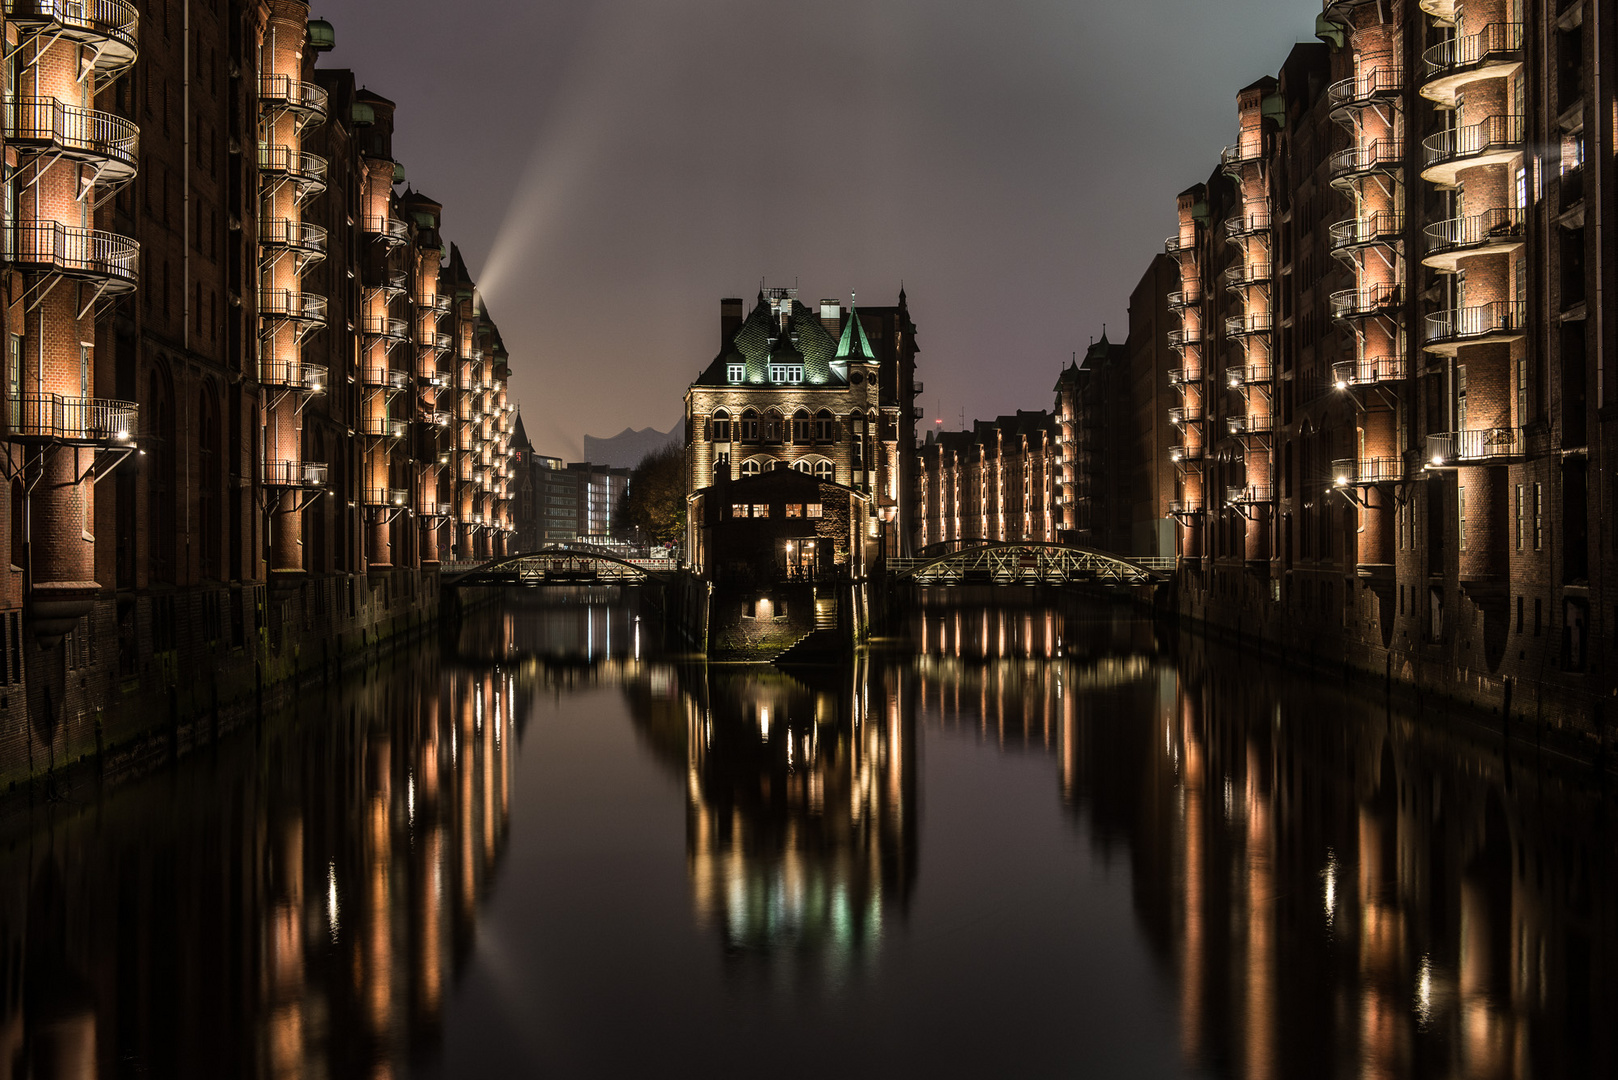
(854, 339)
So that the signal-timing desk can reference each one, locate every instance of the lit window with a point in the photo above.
(786, 373)
(794, 510)
(812, 510)
(823, 470)
(735, 372)
(738, 510)
(761, 510)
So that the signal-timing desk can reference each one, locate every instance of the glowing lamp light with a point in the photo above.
(122, 436)
(1438, 459)
(1342, 385)
(1342, 481)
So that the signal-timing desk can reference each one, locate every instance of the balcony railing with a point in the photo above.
(1241, 152)
(1184, 376)
(386, 496)
(293, 375)
(1181, 299)
(307, 99)
(1181, 415)
(438, 418)
(1459, 325)
(1367, 372)
(1185, 507)
(306, 169)
(1186, 335)
(1378, 155)
(1461, 447)
(297, 306)
(50, 247)
(1240, 375)
(1449, 62)
(1366, 88)
(441, 304)
(1346, 472)
(1242, 275)
(390, 229)
(388, 378)
(110, 27)
(1182, 452)
(295, 474)
(1250, 425)
(380, 427)
(302, 237)
(46, 123)
(1382, 227)
(1367, 302)
(1257, 322)
(1172, 246)
(83, 421)
(1496, 135)
(433, 377)
(1244, 225)
(385, 327)
(1500, 226)
(1249, 495)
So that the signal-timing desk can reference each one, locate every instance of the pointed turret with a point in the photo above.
(854, 345)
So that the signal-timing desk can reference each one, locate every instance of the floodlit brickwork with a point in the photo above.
(248, 405)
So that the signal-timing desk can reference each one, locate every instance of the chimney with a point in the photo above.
(831, 316)
(730, 319)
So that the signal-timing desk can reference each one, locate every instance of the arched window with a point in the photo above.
(750, 426)
(772, 426)
(719, 430)
(824, 425)
(803, 431)
(750, 467)
(801, 466)
(777, 463)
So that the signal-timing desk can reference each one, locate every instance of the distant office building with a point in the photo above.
(601, 490)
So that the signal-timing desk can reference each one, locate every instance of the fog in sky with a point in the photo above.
(612, 168)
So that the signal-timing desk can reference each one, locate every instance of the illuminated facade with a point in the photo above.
(826, 394)
(246, 404)
(997, 482)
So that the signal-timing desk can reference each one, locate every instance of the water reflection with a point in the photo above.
(1321, 883)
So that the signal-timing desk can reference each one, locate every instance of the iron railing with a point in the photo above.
(383, 326)
(1380, 470)
(49, 122)
(1249, 494)
(1482, 321)
(1185, 452)
(1184, 376)
(391, 378)
(388, 228)
(1494, 133)
(286, 304)
(380, 427)
(1366, 87)
(295, 474)
(1242, 275)
(1244, 225)
(1372, 369)
(1240, 375)
(1381, 227)
(386, 496)
(293, 374)
(309, 170)
(1498, 226)
(57, 418)
(52, 246)
(1367, 157)
(1371, 300)
(301, 236)
(1452, 447)
(115, 22)
(1257, 322)
(1187, 335)
(1494, 43)
(1249, 425)
(307, 98)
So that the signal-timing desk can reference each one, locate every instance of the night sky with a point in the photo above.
(612, 168)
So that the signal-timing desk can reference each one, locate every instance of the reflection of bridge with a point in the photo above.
(559, 566)
(1031, 562)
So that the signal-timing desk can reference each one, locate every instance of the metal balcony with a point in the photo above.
(109, 28)
(305, 99)
(1245, 275)
(1496, 141)
(1184, 298)
(1181, 415)
(1442, 10)
(1366, 303)
(394, 330)
(1377, 156)
(1241, 226)
(438, 418)
(1383, 228)
(1249, 425)
(384, 378)
(1185, 452)
(1240, 375)
(1350, 472)
(303, 239)
(1367, 372)
(391, 282)
(1235, 157)
(1238, 326)
(1493, 232)
(108, 143)
(1449, 448)
(1250, 495)
(295, 474)
(308, 171)
(1495, 52)
(386, 496)
(1183, 377)
(1362, 91)
(390, 231)
(48, 247)
(1185, 507)
(75, 421)
(1447, 331)
(298, 307)
(1171, 246)
(380, 427)
(434, 378)
(293, 375)
(441, 304)
(1179, 339)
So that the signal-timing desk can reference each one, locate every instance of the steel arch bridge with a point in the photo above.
(1031, 562)
(559, 566)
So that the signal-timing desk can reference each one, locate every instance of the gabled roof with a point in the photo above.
(761, 338)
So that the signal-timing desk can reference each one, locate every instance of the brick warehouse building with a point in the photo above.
(828, 394)
(248, 407)
(996, 482)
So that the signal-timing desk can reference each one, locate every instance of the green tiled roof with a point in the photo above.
(854, 345)
(814, 347)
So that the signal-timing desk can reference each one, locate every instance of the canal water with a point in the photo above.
(1038, 839)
